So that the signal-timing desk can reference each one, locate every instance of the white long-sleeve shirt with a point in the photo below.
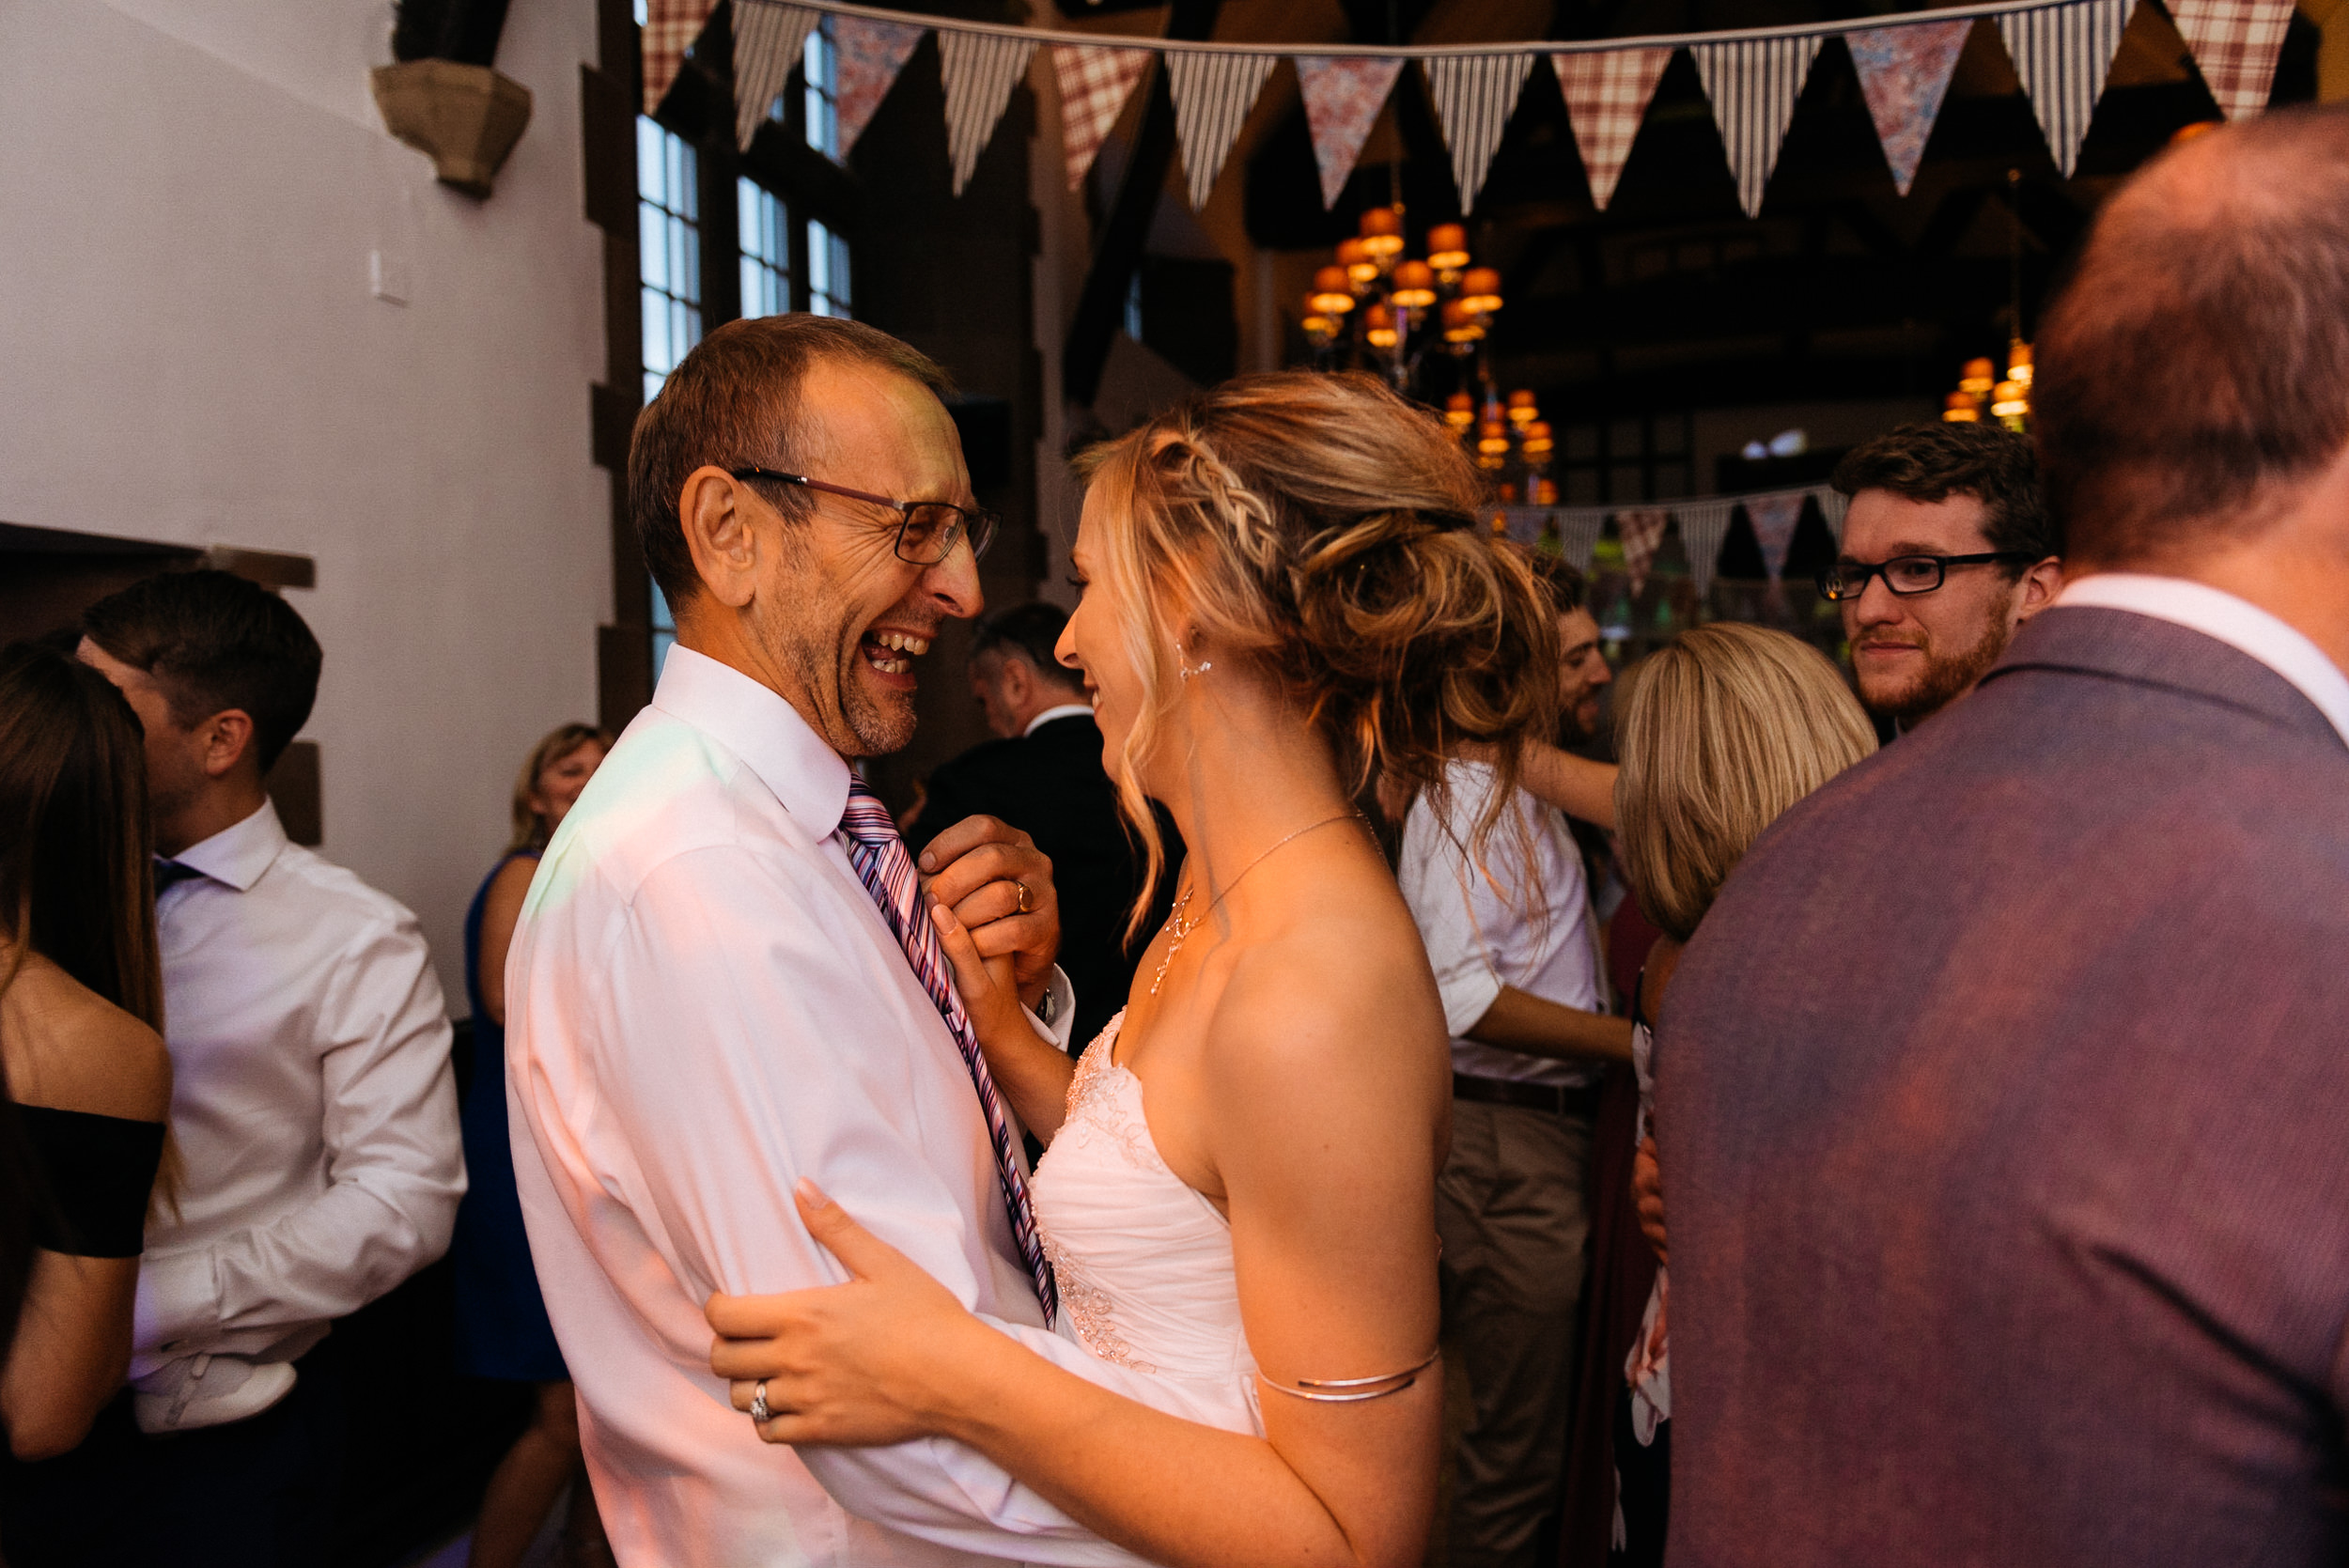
(1520, 917)
(706, 1006)
(312, 1102)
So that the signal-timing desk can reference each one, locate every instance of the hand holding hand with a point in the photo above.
(859, 1365)
(999, 885)
(1647, 1191)
(989, 988)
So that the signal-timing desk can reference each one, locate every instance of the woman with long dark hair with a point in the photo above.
(81, 1014)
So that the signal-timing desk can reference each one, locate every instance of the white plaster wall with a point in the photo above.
(189, 352)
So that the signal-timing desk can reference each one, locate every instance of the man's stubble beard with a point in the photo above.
(822, 659)
(1947, 678)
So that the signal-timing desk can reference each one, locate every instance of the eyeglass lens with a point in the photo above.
(1902, 574)
(932, 531)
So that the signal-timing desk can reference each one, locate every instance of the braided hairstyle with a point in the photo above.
(1325, 530)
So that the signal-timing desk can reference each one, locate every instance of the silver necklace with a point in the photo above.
(1179, 925)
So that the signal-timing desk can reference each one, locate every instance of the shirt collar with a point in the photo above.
(2236, 622)
(237, 856)
(755, 724)
(1066, 710)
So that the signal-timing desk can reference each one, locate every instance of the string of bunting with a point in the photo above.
(2062, 51)
(1703, 522)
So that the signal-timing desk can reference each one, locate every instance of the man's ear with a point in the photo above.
(722, 533)
(1016, 682)
(223, 741)
(2040, 585)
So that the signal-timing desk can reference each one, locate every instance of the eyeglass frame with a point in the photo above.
(975, 525)
(1941, 568)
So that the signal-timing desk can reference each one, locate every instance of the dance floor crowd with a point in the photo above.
(1806, 1115)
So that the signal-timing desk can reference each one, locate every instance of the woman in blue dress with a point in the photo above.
(502, 1327)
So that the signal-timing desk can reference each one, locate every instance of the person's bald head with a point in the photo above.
(2195, 368)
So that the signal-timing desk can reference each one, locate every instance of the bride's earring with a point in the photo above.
(1183, 666)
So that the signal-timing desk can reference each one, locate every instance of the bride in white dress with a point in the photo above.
(1286, 592)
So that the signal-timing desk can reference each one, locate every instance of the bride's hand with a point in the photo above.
(989, 988)
(857, 1365)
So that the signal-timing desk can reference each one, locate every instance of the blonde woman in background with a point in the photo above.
(1286, 592)
(502, 1327)
(1726, 727)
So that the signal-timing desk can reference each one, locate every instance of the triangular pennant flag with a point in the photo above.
(1577, 535)
(1904, 72)
(1639, 531)
(767, 44)
(2063, 54)
(1213, 92)
(979, 69)
(1703, 528)
(870, 56)
(1343, 98)
(1095, 84)
(1774, 518)
(2235, 44)
(1753, 83)
(1833, 503)
(1607, 93)
(1475, 95)
(670, 28)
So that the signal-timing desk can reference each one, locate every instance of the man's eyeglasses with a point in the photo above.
(930, 529)
(1906, 574)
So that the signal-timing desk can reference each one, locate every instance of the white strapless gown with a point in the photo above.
(1144, 1263)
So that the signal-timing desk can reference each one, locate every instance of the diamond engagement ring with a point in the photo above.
(759, 1412)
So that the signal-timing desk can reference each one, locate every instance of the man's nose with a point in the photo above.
(955, 583)
(1878, 605)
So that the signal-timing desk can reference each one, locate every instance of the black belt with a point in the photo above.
(1581, 1101)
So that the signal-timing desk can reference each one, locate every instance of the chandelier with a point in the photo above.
(1979, 390)
(1376, 307)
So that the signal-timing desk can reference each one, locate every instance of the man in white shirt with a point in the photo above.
(1509, 935)
(708, 1001)
(313, 1110)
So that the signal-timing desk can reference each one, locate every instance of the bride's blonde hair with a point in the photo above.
(1325, 530)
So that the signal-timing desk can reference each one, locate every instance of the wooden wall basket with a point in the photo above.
(466, 118)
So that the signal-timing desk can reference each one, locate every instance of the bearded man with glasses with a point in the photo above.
(1947, 549)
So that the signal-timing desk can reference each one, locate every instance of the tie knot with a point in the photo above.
(866, 819)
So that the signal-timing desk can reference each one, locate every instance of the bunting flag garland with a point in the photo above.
(1703, 528)
(1475, 95)
(670, 28)
(871, 53)
(1343, 98)
(1774, 518)
(2063, 54)
(1753, 83)
(979, 71)
(1641, 530)
(2234, 44)
(1213, 92)
(1095, 85)
(1903, 73)
(1608, 92)
(767, 44)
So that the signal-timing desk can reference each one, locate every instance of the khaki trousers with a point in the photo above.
(1510, 1208)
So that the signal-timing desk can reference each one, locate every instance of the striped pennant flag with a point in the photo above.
(767, 44)
(979, 69)
(1703, 529)
(870, 53)
(1904, 74)
(1095, 84)
(2235, 44)
(1213, 92)
(670, 28)
(1753, 83)
(2063, 54)
(1342, 97)
(1607, 93)
(1475, 95)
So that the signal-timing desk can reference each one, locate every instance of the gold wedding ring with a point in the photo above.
(1023, 895)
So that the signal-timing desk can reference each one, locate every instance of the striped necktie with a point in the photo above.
(886, 869)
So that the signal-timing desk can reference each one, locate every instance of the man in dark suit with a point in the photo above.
(2004, 1093)
(1044, 775)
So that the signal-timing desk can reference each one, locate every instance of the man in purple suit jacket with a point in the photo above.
(2004, 1093)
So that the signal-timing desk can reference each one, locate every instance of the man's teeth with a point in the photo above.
(896, 642)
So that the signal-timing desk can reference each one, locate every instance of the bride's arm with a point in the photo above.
(1324, 1118)
(1032, 1072)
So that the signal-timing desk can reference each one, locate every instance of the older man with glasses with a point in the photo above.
(1946, 551)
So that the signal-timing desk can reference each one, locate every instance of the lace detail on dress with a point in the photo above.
(1092, 1098)
(1091, 1092)
(1088, 1306)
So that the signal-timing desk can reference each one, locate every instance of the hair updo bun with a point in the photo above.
(1323, 527)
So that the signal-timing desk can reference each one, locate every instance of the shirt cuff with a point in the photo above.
(176, 1297)
(1060, 1003)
